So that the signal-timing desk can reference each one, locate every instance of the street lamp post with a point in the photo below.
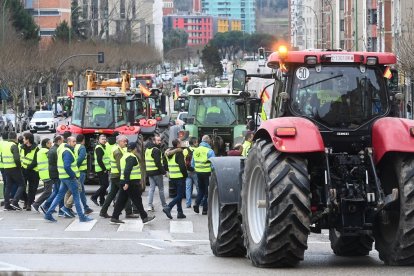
(2, 34)
(317, 22)
(329, 2)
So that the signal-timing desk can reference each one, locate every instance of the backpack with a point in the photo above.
(188, 159)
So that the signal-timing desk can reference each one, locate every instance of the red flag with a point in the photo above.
(145, 91)
(387, 73)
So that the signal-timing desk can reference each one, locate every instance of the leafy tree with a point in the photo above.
(22, 21)
(175, 38)
(62, 31)
(211, 60)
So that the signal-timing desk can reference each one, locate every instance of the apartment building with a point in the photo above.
(199, 27)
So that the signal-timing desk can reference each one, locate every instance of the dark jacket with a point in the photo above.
(130, 162)
(157, 155)
(16, 155)
(52, 156)
(26, 150)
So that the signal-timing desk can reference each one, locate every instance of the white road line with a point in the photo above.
(77, 226)
(135, 225)
(150, 246)
(11, 267)
(24, 229)
(98, 239)
(181, 227)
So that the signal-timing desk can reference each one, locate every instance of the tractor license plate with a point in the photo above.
(342, 58)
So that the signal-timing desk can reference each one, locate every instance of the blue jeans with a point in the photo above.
(55, 190)
(203, 183)
(156, 181)
(189, 182)
(179, 183)
(82, 194)
(72, 186)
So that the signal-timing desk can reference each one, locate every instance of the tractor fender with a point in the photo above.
(391, 134)
(165, 121)
(307, 137)
(227, 173)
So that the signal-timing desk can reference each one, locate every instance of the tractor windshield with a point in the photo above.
(215, 110)
(99, 112)
(339, 96)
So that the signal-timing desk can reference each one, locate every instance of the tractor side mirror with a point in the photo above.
(239, 80)
(239, 102)
(177, 106)
(186, 104)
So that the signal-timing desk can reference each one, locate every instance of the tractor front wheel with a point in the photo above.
(275, 206)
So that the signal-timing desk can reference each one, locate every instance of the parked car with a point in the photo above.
(180, 118)
(10, 122)
(43, 120)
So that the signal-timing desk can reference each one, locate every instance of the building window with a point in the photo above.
(47, 33)
(342, 44)
(372, 17)
(342, 25)
(342, 4)
(45, 12)
(122, 8)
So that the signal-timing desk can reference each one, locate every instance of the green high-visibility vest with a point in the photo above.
(28, 158)
(84, 164)
(174, 168)
(60, 164)
(43, 163)
(149, 160)
(213, 109)
(105, 159)
(114, 168)
(98, 110)
(246, 148)
(7, 155)
(201, 160)
(136, 170)
(2, 143)
(187, 151)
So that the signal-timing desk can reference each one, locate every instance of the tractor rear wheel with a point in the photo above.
(275, 206)
(165, 138)
(349, 245)
(224, 225)
(394, 228)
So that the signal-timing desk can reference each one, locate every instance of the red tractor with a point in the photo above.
(331, 157)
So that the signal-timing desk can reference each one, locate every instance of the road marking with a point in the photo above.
(181, 227)
(98, 239)
(76, 226)
(11, 267)
(150, 246)
(24, 229)
(131, 226)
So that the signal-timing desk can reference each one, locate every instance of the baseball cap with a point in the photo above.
(132, 145)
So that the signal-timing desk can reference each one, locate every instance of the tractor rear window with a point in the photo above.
(339, 96)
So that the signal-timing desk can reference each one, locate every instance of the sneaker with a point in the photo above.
(88, 211)
(181, 216)
(15, 206)
(95, 201)
(147, 219)
(85, 219)
(28, 207)
(150, 209)
(188, 206)
(131, 216)
(42, 208)
(204, 212)
(8, 208)
(50, 218)
(104, 215)
(167, 211)
(35, 207)
(67, 212)
(196, 209)
(73, 213)
(61, 214)
(116, 221)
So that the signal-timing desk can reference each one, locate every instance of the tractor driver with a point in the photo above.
(99, 109)
(213, 107)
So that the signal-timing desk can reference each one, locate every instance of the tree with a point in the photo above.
(175, 38)
(62, 32)
(78, 28)
(22, 20)
(211, 60)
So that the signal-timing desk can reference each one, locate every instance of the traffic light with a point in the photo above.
(261, 53)
(101, 57)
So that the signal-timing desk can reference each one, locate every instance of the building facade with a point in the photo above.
(243, 10)
(223, 24)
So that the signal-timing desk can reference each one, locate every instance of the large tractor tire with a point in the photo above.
(394, 227)
(165, 139)
(349, 245)
(275, 206)
(141, 159)
(224, 225)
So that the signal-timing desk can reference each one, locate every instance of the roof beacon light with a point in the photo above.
(311, 60)
(282, 52)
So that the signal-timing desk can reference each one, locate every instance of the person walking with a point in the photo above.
(3, 142)
(155, 170)
(44, 175)
(53, 174)
(68, 175)
(202, 167)
(117, 152)
(14, 176)
(28, 156)
(248, 139)
(409, 110)
(177, 173)
(191, 179)
(130, 181)
(102, 167)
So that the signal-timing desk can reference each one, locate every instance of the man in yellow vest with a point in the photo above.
(82, 162)
(247, 144)
(43, 167)
(3, 174)
(202, 167)
(102, 167)
(130, 182)
(191, 179)
(12, 168)
(155, 170)
(213, 107)
(28, 156)
(177, 172)
(68, 175)
(117, 152)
